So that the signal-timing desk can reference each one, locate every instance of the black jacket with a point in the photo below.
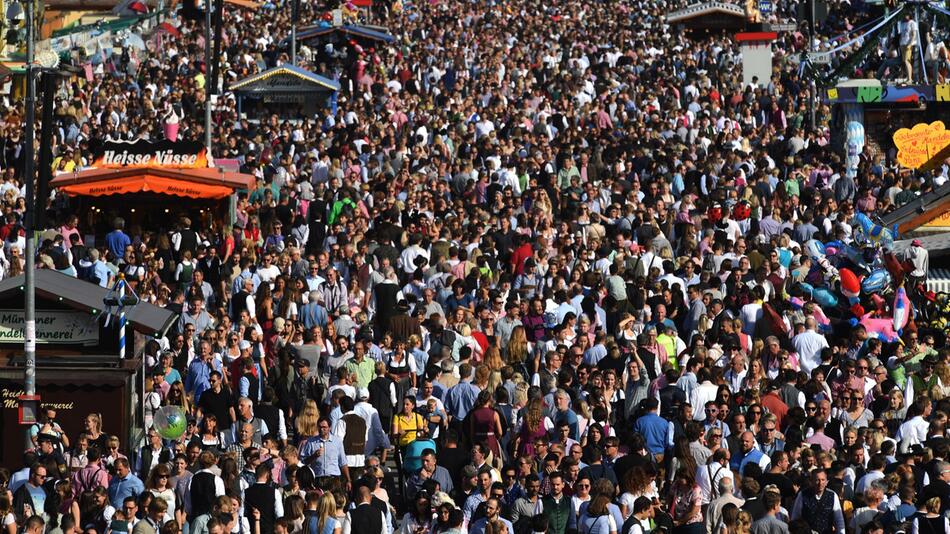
(366, 518)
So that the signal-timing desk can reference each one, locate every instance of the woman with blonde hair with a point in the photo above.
(307, 421)
(518, 350)
(493, 358)
(94, 433)
(755, 374)
(494, 380)
(521, 392)
(930, 520)
(535, 425)
(941, 388)
(380, 492)
(583, 416)
(326, 515)
(743, 523)
(896, 411)
(177, 397)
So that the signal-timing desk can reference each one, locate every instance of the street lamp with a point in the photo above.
(29, 304)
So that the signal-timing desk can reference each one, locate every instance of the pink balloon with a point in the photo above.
(882, 328)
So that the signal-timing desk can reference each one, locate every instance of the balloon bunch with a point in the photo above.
(861, 282)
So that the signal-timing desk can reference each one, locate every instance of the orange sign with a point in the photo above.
(920, 144)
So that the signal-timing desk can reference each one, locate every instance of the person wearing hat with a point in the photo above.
(304, 386)
(377, 437)
(922, 381)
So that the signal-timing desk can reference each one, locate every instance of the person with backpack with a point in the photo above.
(93, 475)
(641, 520)
(353, 430)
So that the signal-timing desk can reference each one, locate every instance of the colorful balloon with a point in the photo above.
(170, 422)
(850, 284)
(882, 329)
(824, 297)
(902, 309)
(874, 233)
(876, 282)
(815, 249)
(894, 266)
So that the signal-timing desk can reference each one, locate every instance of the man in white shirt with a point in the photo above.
(808, 345)
(909, 37)
(701, 394)
(914, 430)
(709, 476)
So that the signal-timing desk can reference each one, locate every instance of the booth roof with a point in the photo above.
(193, 183)
(919, 211)
(348, 29)
(250, 83)
(85, 296)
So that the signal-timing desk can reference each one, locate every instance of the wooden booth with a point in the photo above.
(152, 185)
(78, 369)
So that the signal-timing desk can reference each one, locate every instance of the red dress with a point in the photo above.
(527, 437)
(483, 428)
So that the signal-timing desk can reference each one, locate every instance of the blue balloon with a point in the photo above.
(815, 249)
(876, 282)
(824, 297)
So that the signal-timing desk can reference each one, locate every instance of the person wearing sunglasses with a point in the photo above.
(769, 442)
(28, 499)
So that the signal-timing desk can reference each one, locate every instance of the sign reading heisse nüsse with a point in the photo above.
(144, 153)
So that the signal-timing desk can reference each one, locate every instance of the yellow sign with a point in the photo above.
(918, 145)
(942, 221)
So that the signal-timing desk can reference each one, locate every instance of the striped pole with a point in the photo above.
(121, 284)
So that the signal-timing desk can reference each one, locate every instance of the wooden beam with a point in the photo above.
(925, 217)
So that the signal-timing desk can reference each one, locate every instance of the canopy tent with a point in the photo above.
(191, 183)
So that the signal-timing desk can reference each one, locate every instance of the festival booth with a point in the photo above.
(287, 90)
(78, 368)
(143, 180)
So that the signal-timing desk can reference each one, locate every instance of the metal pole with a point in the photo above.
(812, 86)
(121, 284)
(294, 13)
(208, 81)
(29, 304)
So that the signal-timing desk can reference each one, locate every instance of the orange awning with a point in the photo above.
(191, 183)
(245, 3)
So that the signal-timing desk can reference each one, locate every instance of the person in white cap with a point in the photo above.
(377, 438)
(920, 259)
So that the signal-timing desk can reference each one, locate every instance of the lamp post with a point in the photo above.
(48, 60)
(208, 80)
(29, 304)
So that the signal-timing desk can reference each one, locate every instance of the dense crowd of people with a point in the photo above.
(542, 268)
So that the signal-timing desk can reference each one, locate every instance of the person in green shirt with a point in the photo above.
(362, 367)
